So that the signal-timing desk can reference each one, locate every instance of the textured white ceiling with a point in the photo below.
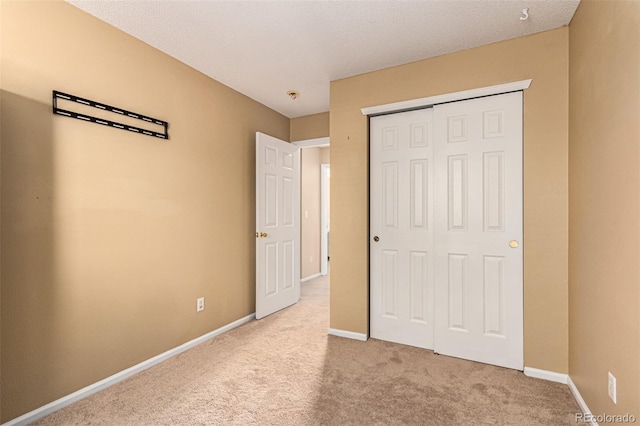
(265, 48)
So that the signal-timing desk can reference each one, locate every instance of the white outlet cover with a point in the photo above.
(612, 388)
(200, 304)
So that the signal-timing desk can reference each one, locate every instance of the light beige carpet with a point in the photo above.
(286, 370)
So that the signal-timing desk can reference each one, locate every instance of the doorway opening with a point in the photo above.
(314, 208)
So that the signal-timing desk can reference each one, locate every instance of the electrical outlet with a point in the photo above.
(612, 388)
(200, 304)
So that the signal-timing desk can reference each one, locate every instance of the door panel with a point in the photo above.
(277, 224)
(419, 279)
(494, 295)
(401, 219)
(457, 290)
(478, 277)
(458, 196)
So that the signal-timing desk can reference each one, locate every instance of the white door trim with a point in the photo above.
(312, 143)
(324, 232)
(448, 97)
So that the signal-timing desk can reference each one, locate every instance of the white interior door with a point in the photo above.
(401, 231)
(478, 230)
(277, 224)
(446, 227)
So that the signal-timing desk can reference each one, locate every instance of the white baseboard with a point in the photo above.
(348, 334)
(546, 375)
(56, 405)
(310, 277)
(583, 405)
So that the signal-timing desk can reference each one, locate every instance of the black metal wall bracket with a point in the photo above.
(84, 117)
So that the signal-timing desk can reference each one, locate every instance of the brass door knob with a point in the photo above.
(513, 244)
(263, 234)
(376, 238)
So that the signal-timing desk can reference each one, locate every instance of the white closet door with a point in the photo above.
(478, 230)
(401, 231)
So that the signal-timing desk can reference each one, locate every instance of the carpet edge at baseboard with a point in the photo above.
(60, 403)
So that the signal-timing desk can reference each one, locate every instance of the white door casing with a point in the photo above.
(324, 218)
(401, 228)
(277, 224)
(478, 188)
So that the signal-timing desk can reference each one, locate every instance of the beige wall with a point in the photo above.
(542, 57)
(325, 155)
(310, 127)
(108, 236)
(310, 212)
(604, 203)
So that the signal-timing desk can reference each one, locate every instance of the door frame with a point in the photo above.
(313, 143)
(324, 212)
(323, 142)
